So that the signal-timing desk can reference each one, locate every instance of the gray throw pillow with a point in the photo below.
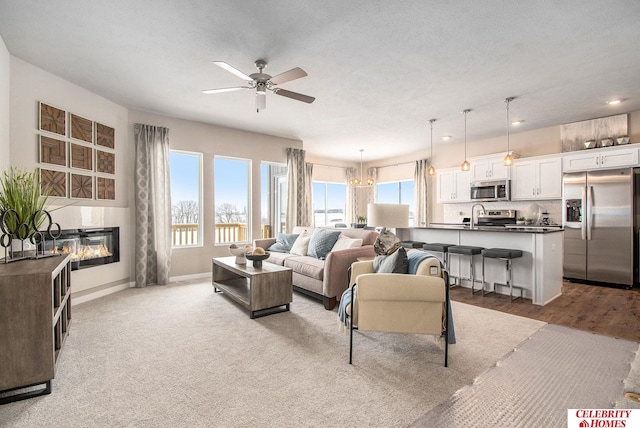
(396, 262)
(284, 242)
(321, 243)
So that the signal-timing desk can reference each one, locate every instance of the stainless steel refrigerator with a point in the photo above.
(598, 218)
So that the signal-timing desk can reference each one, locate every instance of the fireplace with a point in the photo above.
(87, 247)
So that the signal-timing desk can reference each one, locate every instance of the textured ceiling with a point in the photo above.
(379, 69)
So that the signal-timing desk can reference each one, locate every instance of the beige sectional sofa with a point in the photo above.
(324, 279)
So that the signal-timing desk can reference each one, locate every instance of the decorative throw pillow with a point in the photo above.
(321, 242)
(393, 263)
(300, 246)
(386, 243)
(346, 242)
(284, 242)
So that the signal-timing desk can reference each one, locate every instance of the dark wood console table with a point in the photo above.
(35, 314)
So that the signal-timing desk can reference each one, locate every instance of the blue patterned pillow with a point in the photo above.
(321, 243)
(284, 242)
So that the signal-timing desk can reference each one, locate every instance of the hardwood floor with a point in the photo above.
(603, 310)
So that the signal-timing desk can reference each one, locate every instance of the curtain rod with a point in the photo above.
(397, 164)
(330, 166)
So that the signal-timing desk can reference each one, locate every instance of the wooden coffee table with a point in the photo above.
(262, 291)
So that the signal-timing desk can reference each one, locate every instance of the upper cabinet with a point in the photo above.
(493, 168)
(453, 185)
(536, 178)
(609, 157)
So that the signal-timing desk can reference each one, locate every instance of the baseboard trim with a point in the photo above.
(92, 295)
(190, 277)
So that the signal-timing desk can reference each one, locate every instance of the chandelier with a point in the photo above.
(359, 182)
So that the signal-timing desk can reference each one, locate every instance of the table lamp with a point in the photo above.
(388, 215)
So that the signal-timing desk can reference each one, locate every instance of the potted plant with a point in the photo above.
(20, 192)
(521, 220)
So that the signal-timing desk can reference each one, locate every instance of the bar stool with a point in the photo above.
(470, 251)
(507, 255)
(439, 248)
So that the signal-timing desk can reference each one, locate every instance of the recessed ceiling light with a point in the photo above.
(614, 102)
(446, 137)
(517, 122)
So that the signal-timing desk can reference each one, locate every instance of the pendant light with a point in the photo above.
(431, 170)
(465, 165)
(508, 159)
(359, 182)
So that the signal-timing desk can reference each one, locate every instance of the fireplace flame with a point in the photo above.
(85, 253)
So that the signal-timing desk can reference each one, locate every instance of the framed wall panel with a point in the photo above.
(81, 186)
(81, 157)
(53, 151)
(52, 119)
(81, 128)
(105, 162)
(106, 188)
(55, 181)
(105, 136)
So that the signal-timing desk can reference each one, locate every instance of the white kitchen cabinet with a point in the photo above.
(453, 185)
(536, 178)
(608, 157)
(489, 169)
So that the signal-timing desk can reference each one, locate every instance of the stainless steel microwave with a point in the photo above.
(496, 190)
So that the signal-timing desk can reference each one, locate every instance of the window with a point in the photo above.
(231, 196)
(397, 192)
(329, 203)
(273, 198)
(186, 195)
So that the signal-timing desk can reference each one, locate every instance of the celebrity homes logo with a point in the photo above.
(603, 418)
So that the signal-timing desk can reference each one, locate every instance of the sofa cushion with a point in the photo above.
(279, 258)
(345, 242)
(284, 242)
(396, 262)
(306, 265)
(322, 241)
(301, 244)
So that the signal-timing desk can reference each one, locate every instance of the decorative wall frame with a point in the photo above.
(55, 181)
(81, 186)
(574, 135)
(105, 136)
(106, 188)
(105, 162)
(81, 157)
(53, 151)
(52, 119)
(81, 128)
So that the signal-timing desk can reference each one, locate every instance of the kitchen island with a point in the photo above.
(538, 271)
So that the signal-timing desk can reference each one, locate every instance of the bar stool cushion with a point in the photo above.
(501, 253)
(468, 250)
(412, 244)
(436, 246)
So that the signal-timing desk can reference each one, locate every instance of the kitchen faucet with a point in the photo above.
(473, 207)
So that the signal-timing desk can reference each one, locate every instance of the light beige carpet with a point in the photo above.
(181, 355)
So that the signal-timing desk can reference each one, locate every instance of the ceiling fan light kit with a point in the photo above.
(263, 82)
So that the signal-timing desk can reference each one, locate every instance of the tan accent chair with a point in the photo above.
(400, 303)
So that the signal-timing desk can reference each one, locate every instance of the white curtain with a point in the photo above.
(153, 205)
(299, 198)
(420, 182)
(352, 203)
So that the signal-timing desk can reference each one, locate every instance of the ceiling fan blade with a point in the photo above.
(261, 101)
(233, 70)
(294, 73)
(217, 91)
(294, 95)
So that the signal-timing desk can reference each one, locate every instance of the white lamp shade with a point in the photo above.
(388, 215)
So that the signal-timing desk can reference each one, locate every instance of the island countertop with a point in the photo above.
(508, 228)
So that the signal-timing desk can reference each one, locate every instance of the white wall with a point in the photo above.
(5, 117)
(29, 85)
(211, 140)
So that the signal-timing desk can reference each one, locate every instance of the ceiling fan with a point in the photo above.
(262, 82)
